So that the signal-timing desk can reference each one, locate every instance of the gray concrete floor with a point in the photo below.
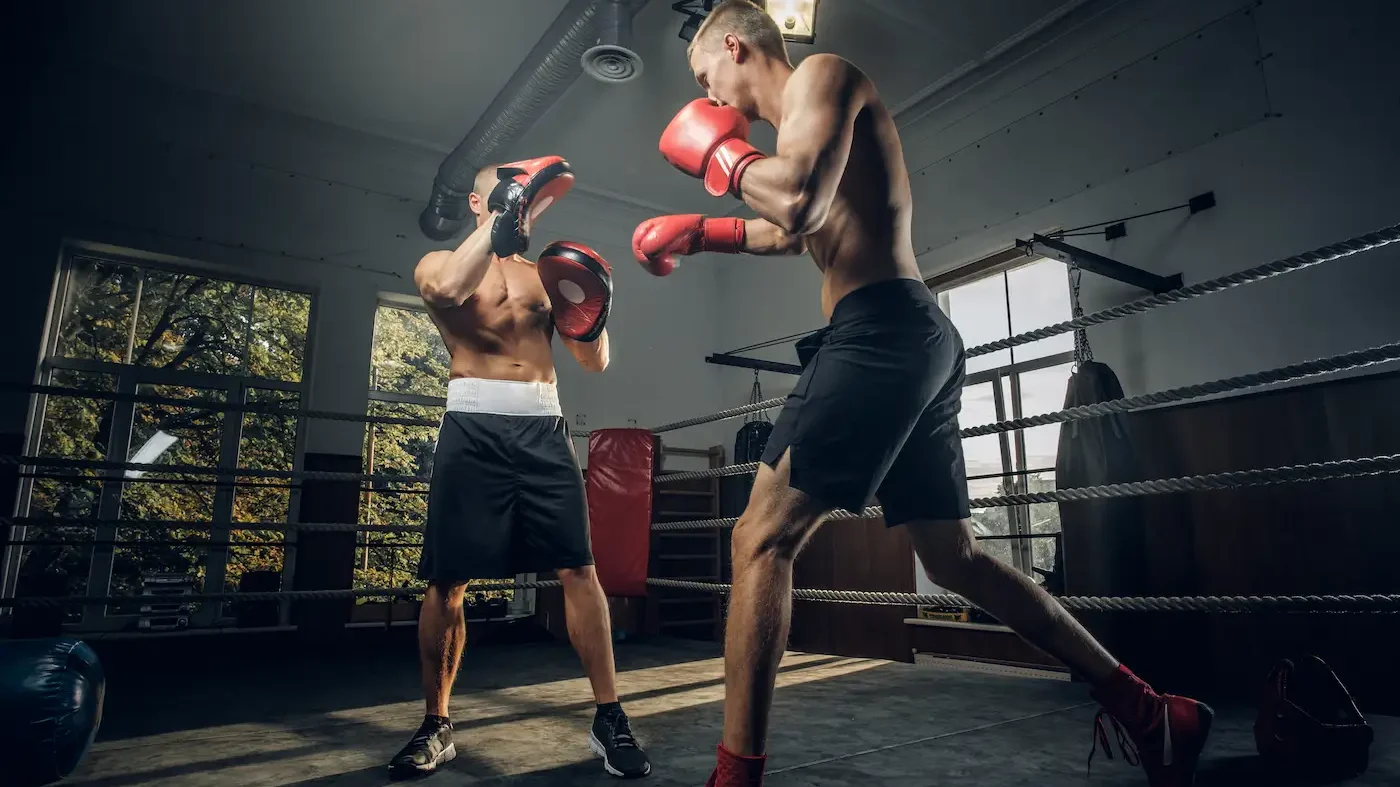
(522, 714)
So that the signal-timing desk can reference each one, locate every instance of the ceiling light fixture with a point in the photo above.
(797, 19)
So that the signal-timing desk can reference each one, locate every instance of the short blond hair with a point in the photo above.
(485, 180)
(745, 19)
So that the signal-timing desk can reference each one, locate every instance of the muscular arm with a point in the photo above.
(795, 188)
(592, 356)
(448, 278)
(764, 238)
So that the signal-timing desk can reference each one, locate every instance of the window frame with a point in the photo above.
(129, 379)
(1015, 469)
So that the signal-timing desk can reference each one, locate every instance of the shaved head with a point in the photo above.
(748, 22)
(485, 180)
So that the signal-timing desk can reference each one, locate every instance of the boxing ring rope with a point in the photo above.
(1335, 251)
(1348, 468)
(1353, 604)
(1232, 479)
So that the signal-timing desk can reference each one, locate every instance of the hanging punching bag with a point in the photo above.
(1103, 540)
(749, 443)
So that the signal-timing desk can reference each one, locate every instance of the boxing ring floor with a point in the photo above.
(522, 714)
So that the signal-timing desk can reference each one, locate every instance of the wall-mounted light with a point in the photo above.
(796, 18)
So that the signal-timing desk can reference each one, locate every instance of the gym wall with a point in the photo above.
(116, 158)
(1281, 108)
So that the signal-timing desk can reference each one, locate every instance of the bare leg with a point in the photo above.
(442, 634)
(590, 630)
(953, 559)
(767, 538)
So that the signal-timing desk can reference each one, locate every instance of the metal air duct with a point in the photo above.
(612, 59)
(547, 71)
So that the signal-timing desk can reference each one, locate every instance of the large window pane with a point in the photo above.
(280, 320)
(192, 323)
(390, 559)
(1044, 518)
(163, 434)
(409, 356)
(97, 313)
(1039, 295)
(267, 442)
(1042, 391)
(982, 454)
(978, 310)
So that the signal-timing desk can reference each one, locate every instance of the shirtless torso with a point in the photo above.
(866, 237)
(503, 331)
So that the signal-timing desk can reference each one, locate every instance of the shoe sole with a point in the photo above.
(446, 755)
(602, 751)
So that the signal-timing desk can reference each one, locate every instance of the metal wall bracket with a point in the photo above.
(726, 359)
(1099, 264)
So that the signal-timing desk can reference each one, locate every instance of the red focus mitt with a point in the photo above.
(525, 189)
(710, 142)
(656, 241)
(579, 283)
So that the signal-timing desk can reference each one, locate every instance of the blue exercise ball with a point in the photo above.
(51, 694)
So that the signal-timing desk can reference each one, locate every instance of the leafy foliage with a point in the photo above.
(123, 316)
(408, 358)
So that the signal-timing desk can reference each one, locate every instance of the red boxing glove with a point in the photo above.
(525, 189)
(656, 241)
(579, 283)
(710, 142)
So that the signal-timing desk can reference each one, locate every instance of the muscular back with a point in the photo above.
(503, 331)
(866, 237)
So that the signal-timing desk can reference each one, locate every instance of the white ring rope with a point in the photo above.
(1351, 603)
(1335, 251)
(1330, 365)
(1314, 471)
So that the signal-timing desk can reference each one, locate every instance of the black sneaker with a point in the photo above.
(611, 738)
(430, 747)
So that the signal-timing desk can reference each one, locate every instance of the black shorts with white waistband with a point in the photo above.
(875, 412)
(506, 498)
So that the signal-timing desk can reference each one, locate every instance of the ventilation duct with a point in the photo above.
(601, 28)
(612, 58)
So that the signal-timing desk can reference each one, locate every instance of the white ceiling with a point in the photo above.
(423, 71)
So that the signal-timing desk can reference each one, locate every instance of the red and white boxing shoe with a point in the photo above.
(1163, 733)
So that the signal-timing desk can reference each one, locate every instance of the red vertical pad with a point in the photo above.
(620, 468)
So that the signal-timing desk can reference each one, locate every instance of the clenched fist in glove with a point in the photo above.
(656, 241)
(710, 142)
(525, 189)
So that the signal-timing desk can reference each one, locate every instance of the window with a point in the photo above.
(408, 379)
(1018, 382)
(125, 326)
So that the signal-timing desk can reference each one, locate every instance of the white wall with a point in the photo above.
(116, 159)
(1138, 107)
(1133, 102)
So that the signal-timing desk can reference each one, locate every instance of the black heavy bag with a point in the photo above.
(51, 694)
(1307, 724)
(751, 440)
(749, 443)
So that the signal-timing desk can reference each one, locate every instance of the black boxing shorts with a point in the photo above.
(875, 412)
(507, 496)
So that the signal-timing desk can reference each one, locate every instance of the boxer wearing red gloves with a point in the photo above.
(875, 412)
(507, 496)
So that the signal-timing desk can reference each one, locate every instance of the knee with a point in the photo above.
(952, 562)
(774, 537)
(581, 577)
(446, 598)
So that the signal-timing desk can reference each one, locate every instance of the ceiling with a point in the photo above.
(422, 71)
